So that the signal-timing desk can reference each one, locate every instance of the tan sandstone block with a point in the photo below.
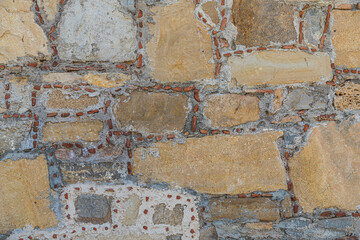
(19, 34)
(152, 112)
(87, 130)
(345, 38)
(107, 80)
(259, 226)
(24, 192)
(181, 46)
(348, 96)
(326, 172)
(280, 67)
(210, 9)
(229, 110)
(59, 100)
(50, 7)
(61, 77)
(216, 164)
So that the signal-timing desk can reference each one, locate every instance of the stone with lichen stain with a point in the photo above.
(107, 80)
(280, 67)
(348, 96)
(345, 38)
(210, 9)
(87, 130)
(181, 47)
(18, 130)
(152, 112)
(24, 192)
(216, 164)
(163, 215)
(330, 161)
(227, 110)
(19, 34)
(50, 7)
(259, 25)
(59, 100)
(93, 208)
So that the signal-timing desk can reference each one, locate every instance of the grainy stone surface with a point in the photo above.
(152, 112)
(330, 161)
(163, 215)
(314, 23)
(107, 80)
(259, 25)
(91, 30)
(180, 49)
(196, 164)
(20, 100)
(50, 7)
(60, 100)
(19, 34)
(229, 110)
(348, 96)
(210, 9)
(61, 77)
(24, 192)
(132, 205)
(280, 67)
(92, 208)
(87, 130)
(18, 130)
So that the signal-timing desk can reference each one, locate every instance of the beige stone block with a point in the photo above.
(210, 9)
(107, 80)
(326, 172)
(227, 110)
(216, 164)
(61, 77)
(347, 96)
(58, 100)
(87, 130)
(24, 192)
(280, 67)
(180, 49)
(259, 226)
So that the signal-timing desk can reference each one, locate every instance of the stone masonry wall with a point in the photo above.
(179, 119)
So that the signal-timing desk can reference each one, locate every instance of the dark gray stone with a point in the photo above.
(174, 237)
(92, 208)
(337, 223)
(294, 223)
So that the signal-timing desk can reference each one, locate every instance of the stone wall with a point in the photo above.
(174, 119)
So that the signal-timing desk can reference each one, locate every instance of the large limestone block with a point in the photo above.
(24, 192)
(326, 172)
(180, 49)
(19, 34)
(280, 67)
(216, 164)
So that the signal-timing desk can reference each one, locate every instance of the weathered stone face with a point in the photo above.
(163, 215)
(200, 164)
(325, 172)
(314, 23)
(59, 100)
(20, 100)
(232, 109)
(92, 208)
(345, 38)
(259, 25)
(262, 209)
(181, 46)
(12, 133)
(348, 96)
(210, 9)
(132, 205)
(107, 80)
(280, 67)
(87, 130)
(24, 192)
(152, 112)
(50, 8)
(61, 77)
(92, 30)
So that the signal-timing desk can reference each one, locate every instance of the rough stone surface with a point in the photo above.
(24, 192)
(152, 112)
(20, 100)
(348, 96)
(344, 37)
(92, 30)
(210, 9)
(196, 164)
(163, 215)
(61, 77)
(259, 25)
(19, 34)
(107, 80)
(87, 130)
(50, 7)
(330, 161)
(208, 233)
(280, 67)
(92, 208)
(302, 98)
(59, 100)
(132, 205)
(18, 130)
(262, 209)
(181, 46)
(232, 109)
(314, 23)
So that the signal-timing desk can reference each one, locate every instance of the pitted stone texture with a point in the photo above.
(262, 209)
(152, 112)
(18, 130)
(210, 9)
(87, 130)
(91, 30)
(229, 110)
(180, 49)
(59, 100)
(348, 96)
(259, 25)
(50, 7)
(173, 217)
(280, 67)
(216, 164)
(345, 38)
(92, 208)
(24, 192)
(330, 161)
(19, 34)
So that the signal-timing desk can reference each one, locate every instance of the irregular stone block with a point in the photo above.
(152, 112)
(259, 25)
(208, 233)
(280, 67)
(92, 208)
(210, 9)
(325, 172)
(196, 163)
(91, 30)
(57, 99)
(87, 130)
(314, 24)
(50, 7)
(20, 98)
(348, 96)
(173, 217)
(181, 47)
(24, 192)
(132, 205)
(13, 133)
(232, 109)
